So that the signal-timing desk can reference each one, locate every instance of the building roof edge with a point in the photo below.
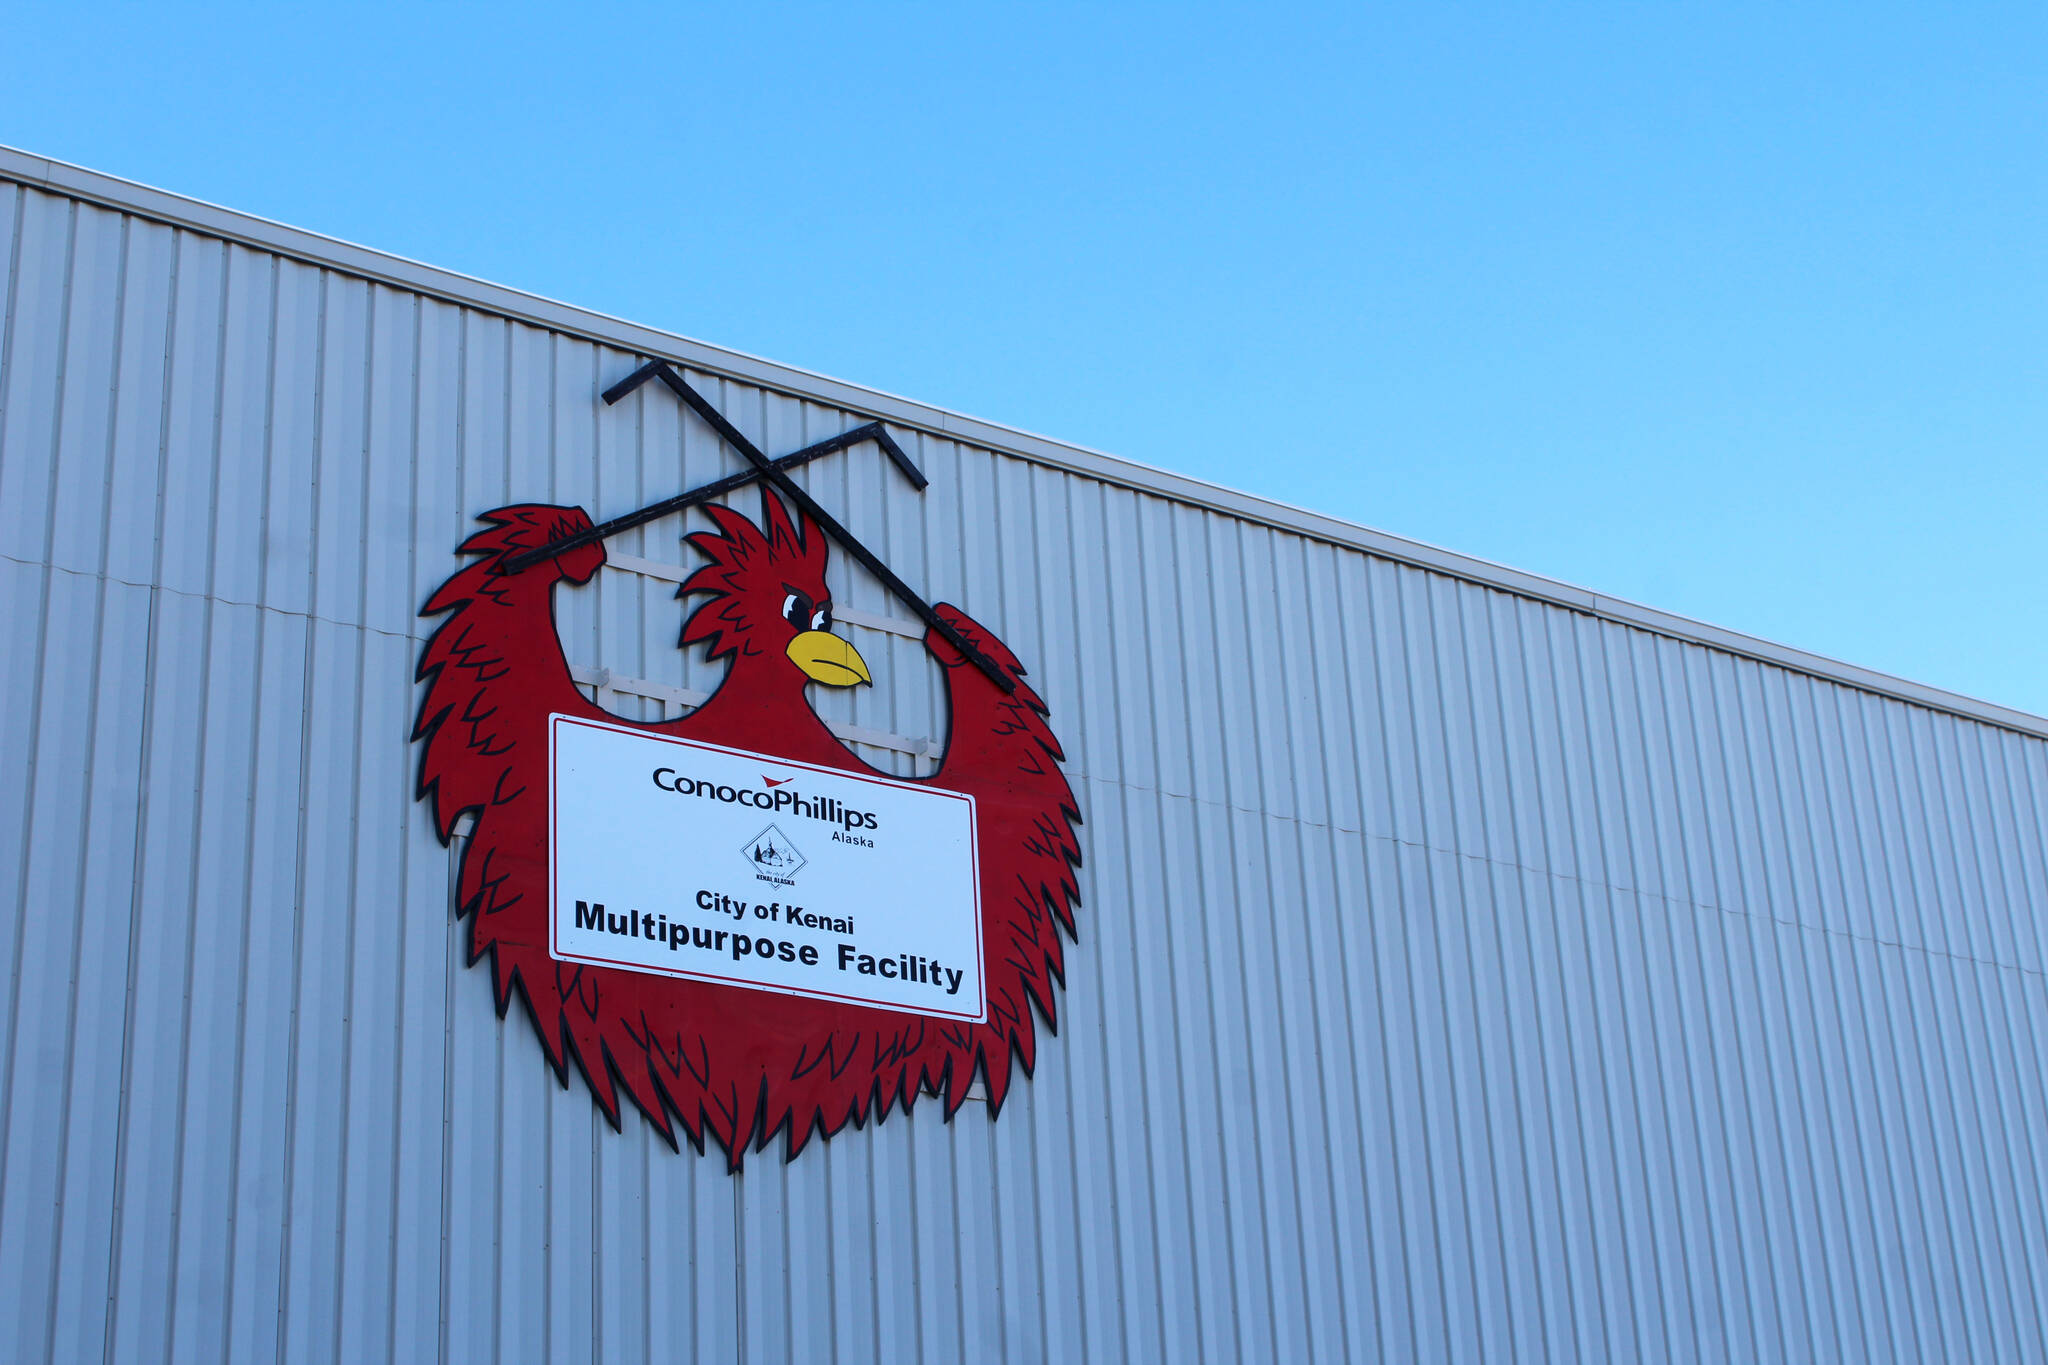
(182, 211)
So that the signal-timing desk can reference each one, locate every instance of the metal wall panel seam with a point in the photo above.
(1145, 1053)
(1949, 1115)
(1732, 1079)
(309, 690)
(1211, 1237)
(1337, 1077)
(1836, 818)
(2029, 1202)
(1228, 1028)
(1779, 857)
(2004, 798)
(23, 1184)
(1420, 1224)
(1903, 1169)
(1584, 814)
(1524, 1104)
(1122, 1052)
(474, 1040)
(1434, 725)
(1196, 1334)
(1975, 1142)
(1560, 889)
(571, 1127)
(1635, 1035)
(2001, 1202)
(1287, 1162)
(1295, 855)
(1942, 1269)
(1852, 1317)
(109, 1305)
(1281, 1215)
(1479, 884)
(1678, 1103)
(1607, 999)
(423, 936)
(1193, 603)
(191, 1281)
(418, 636)
(38, 287)
(261, 1125)
(248, 927)
(401, 1287)
(44, 834)
(2019, 785)
(78, 1303)
(41, 1022)
(415, 637)
(79, 489)
(1573, 1181)
(1085, 1191)
(202, 1209)
(1778, 1027)
(11, 1190)
(453, 969)
(131, 1040)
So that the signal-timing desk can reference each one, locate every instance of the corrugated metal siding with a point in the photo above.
(1461, 977)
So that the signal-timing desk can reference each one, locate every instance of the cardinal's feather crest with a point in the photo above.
(747, 563)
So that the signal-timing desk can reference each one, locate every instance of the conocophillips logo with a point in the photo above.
(774, 796)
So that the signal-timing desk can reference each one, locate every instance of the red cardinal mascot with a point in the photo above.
(740, 1064)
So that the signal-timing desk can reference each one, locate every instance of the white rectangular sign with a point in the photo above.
(687, 859)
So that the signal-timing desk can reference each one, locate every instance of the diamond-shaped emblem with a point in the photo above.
(772, 854)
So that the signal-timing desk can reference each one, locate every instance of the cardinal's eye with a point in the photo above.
(821, 619)
(796, 609)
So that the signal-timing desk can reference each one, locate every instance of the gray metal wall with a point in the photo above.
(1462, 977)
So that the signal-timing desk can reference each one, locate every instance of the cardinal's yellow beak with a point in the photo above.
(826, 658)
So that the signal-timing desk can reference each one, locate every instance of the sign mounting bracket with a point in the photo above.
(776, 473)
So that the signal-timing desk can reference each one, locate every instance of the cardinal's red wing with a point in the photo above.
(494, 672)
(494, 669)
(1001, 750)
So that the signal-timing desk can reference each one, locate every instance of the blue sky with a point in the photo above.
(1738, 311)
